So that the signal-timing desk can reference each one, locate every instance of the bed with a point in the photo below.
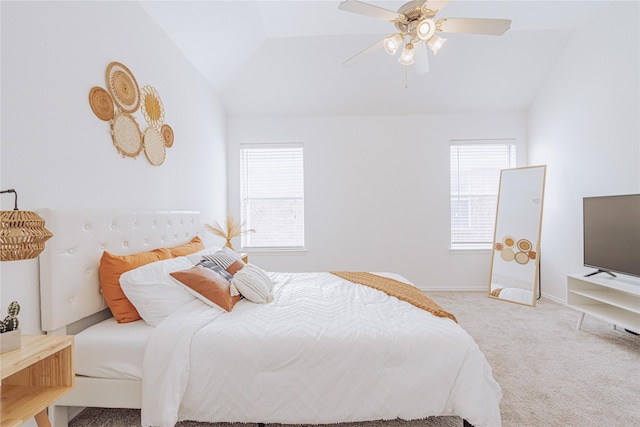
(325, 350)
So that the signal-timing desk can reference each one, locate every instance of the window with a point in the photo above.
(272, 195)
(475, 179)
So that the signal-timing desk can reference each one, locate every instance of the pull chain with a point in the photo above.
(406, 78)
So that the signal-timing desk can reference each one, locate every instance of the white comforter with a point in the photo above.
(325, 350)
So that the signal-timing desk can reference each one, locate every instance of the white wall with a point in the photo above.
(584, 124)
(377, 192)
(57, 154)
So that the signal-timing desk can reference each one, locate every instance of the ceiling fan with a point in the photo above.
(417, 27)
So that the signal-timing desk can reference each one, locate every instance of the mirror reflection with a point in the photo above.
(516, 241)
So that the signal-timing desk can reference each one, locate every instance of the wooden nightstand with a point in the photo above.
(244, 257)
(35, 376)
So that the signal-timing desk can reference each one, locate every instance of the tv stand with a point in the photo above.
(600, 270)
(614, 300)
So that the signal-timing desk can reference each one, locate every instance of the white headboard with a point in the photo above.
(69, 280)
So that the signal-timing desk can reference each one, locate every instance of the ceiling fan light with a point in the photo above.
(425, 29)
(392, 43)
(435, 43)
(406, 58)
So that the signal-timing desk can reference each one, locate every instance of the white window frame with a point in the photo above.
(465, 187)
(250, 240)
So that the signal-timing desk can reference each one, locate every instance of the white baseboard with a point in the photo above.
(477, 288)
(483, 288)
(554, 299)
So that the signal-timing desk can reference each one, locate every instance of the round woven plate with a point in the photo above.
(151, 106)
(524, 245)
(101, 103)
(167, 135)
(509, 241)
(123, 87)
(154, 147)
(126, 134)
(521, 257)
(507, 254)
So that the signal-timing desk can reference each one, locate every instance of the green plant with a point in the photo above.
(10, 323)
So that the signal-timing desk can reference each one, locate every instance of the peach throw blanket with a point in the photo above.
(395, 288)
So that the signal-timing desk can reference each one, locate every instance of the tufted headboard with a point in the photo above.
(69, 280)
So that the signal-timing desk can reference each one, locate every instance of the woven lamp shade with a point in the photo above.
(22, 235)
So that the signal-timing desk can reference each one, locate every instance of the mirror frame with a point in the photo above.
(536, 279)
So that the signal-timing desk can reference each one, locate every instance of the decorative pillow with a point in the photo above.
(253, 284)
(215, 267)
(193, 246)
(208, 286)
(235, 267)
(111, 267)
(153, 292)
(227, 259)
(196, 257)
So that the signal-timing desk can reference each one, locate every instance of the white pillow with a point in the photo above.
(196, 257)
(253, 284)
(153, 292)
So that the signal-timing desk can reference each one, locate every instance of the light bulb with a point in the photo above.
(435, 43)
(392, 43)
(425, 29)
(406, 58)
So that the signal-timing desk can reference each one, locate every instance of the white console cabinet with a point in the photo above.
(615, 300)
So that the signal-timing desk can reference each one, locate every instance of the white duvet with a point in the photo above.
(325, 350)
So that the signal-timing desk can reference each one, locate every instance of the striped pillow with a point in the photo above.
(252, 283)
(227, 259)
(215, 267)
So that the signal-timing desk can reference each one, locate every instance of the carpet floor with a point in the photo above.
(550, 374)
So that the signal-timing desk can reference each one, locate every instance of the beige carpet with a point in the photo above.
(550, 374)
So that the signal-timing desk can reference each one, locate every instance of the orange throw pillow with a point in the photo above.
(208, 286)
(110, 269)
(235, 267)
(193, 246)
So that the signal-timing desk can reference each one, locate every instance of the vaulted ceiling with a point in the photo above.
(284, 57)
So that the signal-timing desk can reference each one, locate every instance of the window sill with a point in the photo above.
(470, 250)
(274, 251)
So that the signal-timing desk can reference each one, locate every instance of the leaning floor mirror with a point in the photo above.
(516, 241)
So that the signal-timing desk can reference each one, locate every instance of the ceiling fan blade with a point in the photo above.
(431, 7)
(421, 58)
(494, 27)
(367, 9)
(362, 54)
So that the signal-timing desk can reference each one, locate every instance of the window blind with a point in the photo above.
(475, 178)
(272, 195)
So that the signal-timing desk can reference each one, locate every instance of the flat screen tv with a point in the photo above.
(612, 234)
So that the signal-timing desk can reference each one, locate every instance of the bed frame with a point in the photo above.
(70, 297)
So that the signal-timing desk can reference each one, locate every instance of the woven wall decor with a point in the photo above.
(101, 103)
(151, 107)
(167, 135)
(154, 147)
(117, 106)
(123, 87)
(126, 134)
(508, 253)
